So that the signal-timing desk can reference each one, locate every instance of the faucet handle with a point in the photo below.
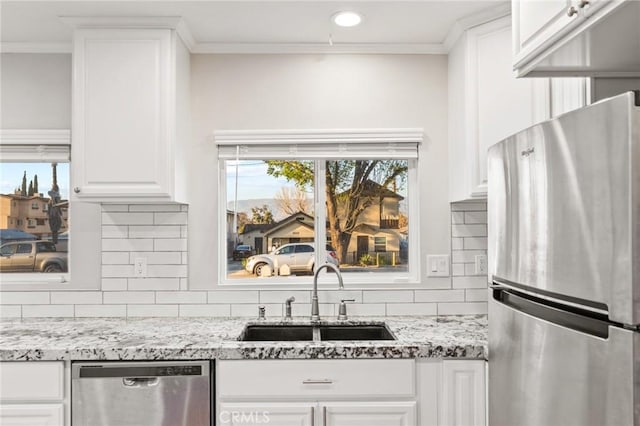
(287, 310)
(342, 309)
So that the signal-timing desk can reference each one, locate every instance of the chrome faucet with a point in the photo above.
(315, 308)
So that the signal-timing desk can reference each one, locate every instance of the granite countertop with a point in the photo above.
(212, 338)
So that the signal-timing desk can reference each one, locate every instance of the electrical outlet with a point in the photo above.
(140, 267)
(438, 265)
(481, 264)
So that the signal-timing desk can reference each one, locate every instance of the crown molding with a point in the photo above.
(25, 47)
(35, 137)
(291, 136)
(167, 22)
(322, 48)
(482, 17)
(183, 31)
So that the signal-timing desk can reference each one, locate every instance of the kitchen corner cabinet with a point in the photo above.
(32, 393)
(486, 104)
(373, 392)
(130, 114)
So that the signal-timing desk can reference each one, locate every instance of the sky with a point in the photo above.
(11, 177)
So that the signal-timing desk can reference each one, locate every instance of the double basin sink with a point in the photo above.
(315, 332)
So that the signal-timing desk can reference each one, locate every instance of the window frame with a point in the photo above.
(385, 139)
(84, 271)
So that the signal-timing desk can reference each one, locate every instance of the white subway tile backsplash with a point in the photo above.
(205, 310)
(152, 310)
(175, 218)
(115, 258)
(462, 308)
(114, 284)
(157, 258)
(95, 311)
(334, 296)
(457, 217)
(457, 269)
(436, 283)
(475, 217)
(439, 296)
(367, 309)
(141, 284)
(184, 284)
(154, 231)
(181, 297)
(33, 311)
(119, 244)
(117, 271)
(184, 231)
(470, 282)
(127, 297)
(233, 296)
(476, 295)
(277, 296)
(387, 296)
(469, 206)
(475, 243)
(412, 309)
(470, 269)
(76, 297)
(468, 230)
(304, 310)
(170, 244)
(10, 311)
(24, 297)
(155, 208)
(457, 243)
(273, 310)
(112, 218)
(466, 256)
(163, 271)
(115, 231)
(184, 259)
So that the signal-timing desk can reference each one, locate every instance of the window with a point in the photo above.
(33, 176)
(274, 187)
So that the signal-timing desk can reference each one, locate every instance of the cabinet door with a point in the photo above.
(538, 21)
(368, 413)
(463, 400)
(122, 125)
(32, 415)
(273, 413)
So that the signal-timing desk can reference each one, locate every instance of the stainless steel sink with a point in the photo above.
(321, 332)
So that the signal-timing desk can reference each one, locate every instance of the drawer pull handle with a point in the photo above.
(313, 416)
(317, 382)
(324, 416)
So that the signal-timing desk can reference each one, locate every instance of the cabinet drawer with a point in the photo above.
(315, 378)
(31, 381)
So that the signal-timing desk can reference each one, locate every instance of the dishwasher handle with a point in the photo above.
(140, 382)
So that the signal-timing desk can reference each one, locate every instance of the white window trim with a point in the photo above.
(259, 140)
(85, 269)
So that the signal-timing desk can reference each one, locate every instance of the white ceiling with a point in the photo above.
(266, 23)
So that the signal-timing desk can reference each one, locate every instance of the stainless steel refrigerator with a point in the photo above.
(564, 261)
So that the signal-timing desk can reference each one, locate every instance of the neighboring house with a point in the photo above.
(29, 214)
(378, 229)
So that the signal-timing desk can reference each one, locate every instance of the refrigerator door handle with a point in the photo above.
(551, 312)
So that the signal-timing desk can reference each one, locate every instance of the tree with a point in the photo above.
(23, 192)
(30, 193)
(293, 200)
(348, 189)
(261, 214)
(35, 184)
(243, 219)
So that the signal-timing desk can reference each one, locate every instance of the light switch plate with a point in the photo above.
(437, 265)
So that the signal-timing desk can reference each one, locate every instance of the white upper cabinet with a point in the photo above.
(487, 103)
(576, 37)
(127, 128)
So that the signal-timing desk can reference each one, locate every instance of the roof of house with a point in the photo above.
(374, 189)
(268, 228)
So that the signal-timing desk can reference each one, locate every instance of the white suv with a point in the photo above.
(299, 257)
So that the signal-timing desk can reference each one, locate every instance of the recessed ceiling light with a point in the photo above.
(346, 19)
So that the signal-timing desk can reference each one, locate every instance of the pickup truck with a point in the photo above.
(32, 256)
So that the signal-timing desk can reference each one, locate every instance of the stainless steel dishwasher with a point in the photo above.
(141, 393)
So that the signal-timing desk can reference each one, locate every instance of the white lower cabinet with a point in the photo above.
(32, 393)
(31, 414)
(372, 392)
